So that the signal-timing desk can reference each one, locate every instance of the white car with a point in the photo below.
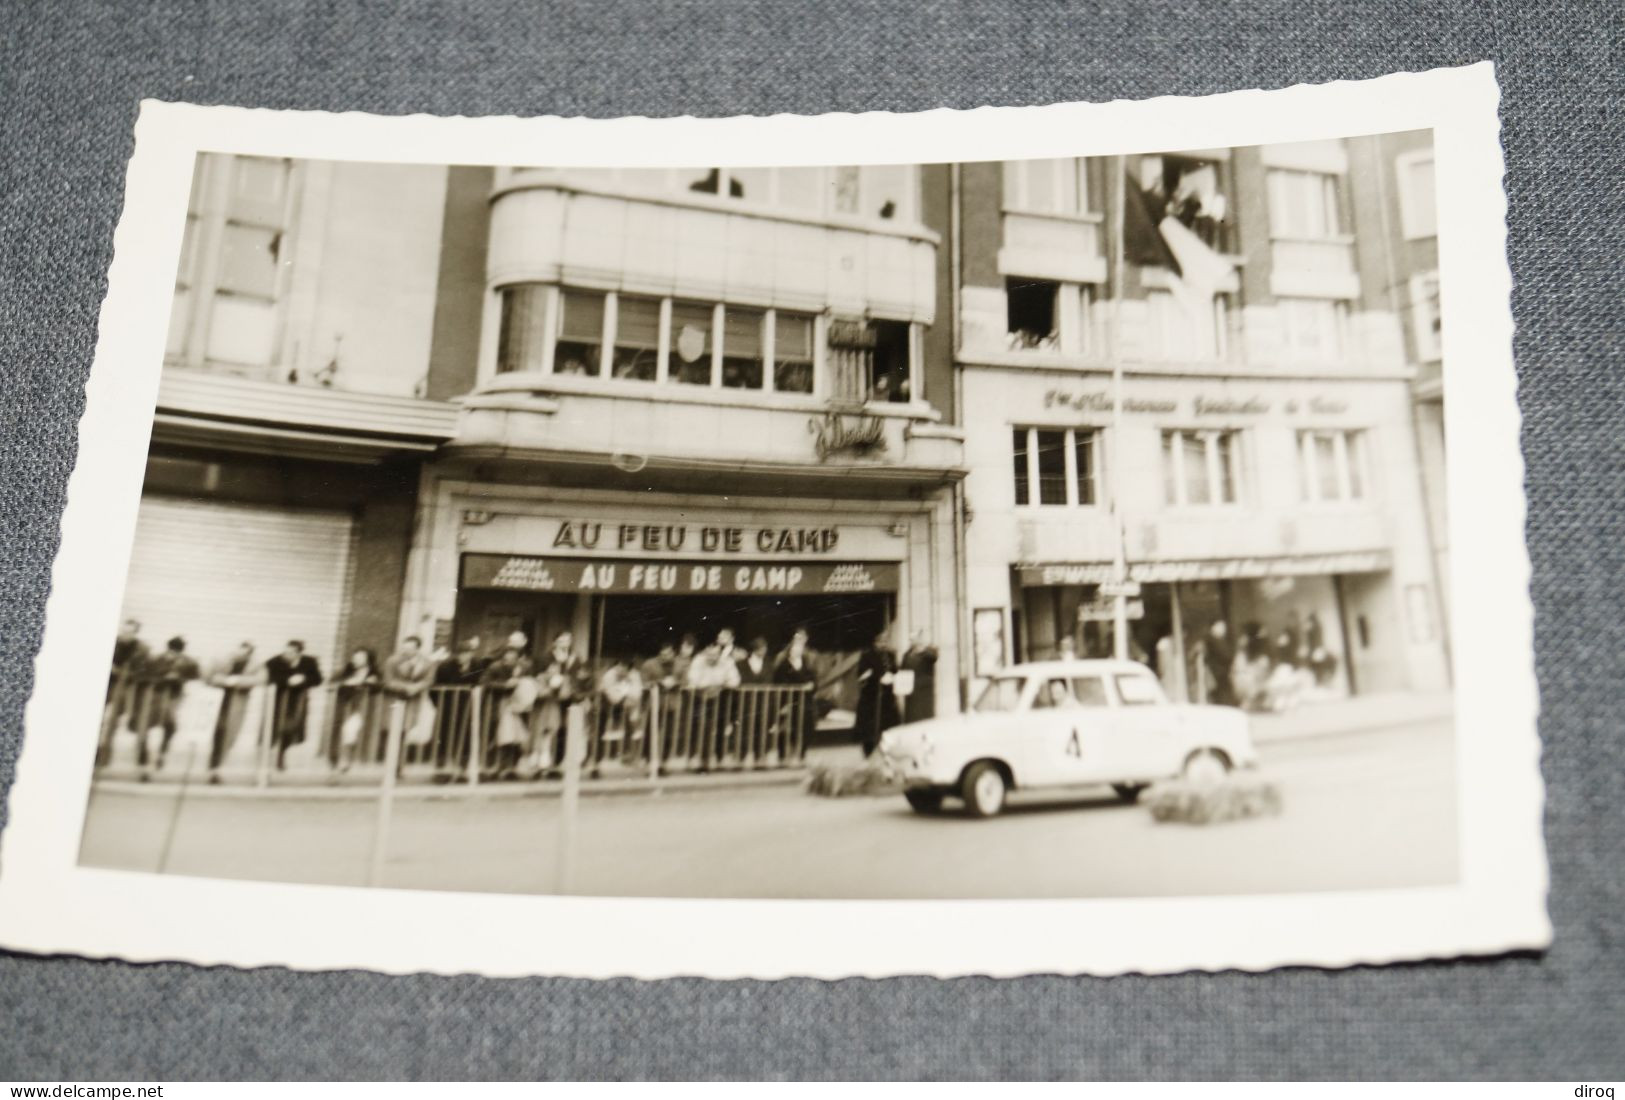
(1065, 724)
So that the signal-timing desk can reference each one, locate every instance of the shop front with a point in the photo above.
(626, 578)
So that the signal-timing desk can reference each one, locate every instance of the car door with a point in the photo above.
(1144, 730)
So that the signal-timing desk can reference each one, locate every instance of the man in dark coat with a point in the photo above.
(167, 675)
(292, 673)
(124, 692)
(877, 703)
(921, 660)
(1219, 654)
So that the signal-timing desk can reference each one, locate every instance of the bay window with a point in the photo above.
(1056, 466)
(1201, 467)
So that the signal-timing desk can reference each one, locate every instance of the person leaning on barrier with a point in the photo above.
(130, 658)
(357, 689)
(563, 682)
(167, 674)
(236, 677)
(710, 677)
(512, 692)
(407, 676)
(621, 688)
(293, 673)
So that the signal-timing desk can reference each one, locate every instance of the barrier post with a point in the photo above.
(262, 770)
(476, 729)
(654, 714)
(386, 793)
(574, 750)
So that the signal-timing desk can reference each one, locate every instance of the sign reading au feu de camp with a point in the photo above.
(630, 576)
(678, 538)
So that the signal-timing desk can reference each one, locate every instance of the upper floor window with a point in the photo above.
(1418, 214)
(1314, 329)
(1201, 467)
(872, 359)
(1304, 205)
(1056, 466)
(1331, 466)
(1047, 186)
(1425, 317)
(230, 283)
(634, 338)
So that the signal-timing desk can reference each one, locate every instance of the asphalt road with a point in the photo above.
(1360, 811)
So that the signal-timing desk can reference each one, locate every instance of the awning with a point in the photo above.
(1061, 573)
(624, 577)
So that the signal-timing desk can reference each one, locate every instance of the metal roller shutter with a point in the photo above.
(219, 574)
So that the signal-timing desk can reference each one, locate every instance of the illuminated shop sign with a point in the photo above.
(1155, 572)
(565, 575)
(675, 538)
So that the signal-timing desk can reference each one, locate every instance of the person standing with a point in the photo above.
(920, 661)
(563, 682)
(406, 680)
(357, 698)
(125, 697)
(455, 720)
(511, 692)
(877, 703)
(293, 673)
(794, 668)
(167, 675)
(1219, 659)
(620, 689)
(711, 677)
(236, 678)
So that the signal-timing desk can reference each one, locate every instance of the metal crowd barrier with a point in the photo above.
(469, 734)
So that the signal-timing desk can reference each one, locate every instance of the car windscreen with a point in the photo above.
(999, 696)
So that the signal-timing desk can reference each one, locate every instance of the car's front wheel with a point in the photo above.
(984, 789)
(1206, 768)
(1129, 792)
(925, 800)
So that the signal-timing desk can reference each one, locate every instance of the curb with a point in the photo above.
(1373, 725)
(453, 792)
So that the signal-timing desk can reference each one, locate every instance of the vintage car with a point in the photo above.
(1075, 723)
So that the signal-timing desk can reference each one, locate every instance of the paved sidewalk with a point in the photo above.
(1361, 714)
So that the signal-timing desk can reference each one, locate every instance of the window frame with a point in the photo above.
(1017, 186)
(1075, 482)
(1175, 490)
(1418, 221)
(1351, 457)
(1330, 194)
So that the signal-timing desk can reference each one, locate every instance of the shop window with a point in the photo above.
(1304, 205)
(1031, 313)
(578, 349)
(889, 371)
(522, 332)
(1426, 317)
(1201, 467)
(689, 360)
(1046, 186)
(1055, 466)
(1332, 466)
(1418, 210)
(1314, 330)
(793, 351)
(742, 334)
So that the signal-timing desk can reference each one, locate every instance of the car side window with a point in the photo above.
(1136, 691)
(1090, 691)
(1055, 695)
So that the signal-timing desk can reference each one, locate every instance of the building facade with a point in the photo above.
(1262, 469)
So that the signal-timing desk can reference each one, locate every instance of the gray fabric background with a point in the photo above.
(71, 74)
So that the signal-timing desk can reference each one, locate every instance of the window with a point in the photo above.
(792, 351)
(1418, 209)
(1190, 190)
(1303, 205)
(636, 354)
(689, 360)
(1313, 329)
(1055, 466)
(890, 373)
(1031, 313)
(1090, 691)
(522, 335)
(1425, 316)
(1047, 186)
(1332, 466)
(1201, 467)
(1000, 696)
(1136, 690)
(742, 339)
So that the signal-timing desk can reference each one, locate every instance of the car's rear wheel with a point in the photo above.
(1129, 792)
(925, 800)
(1206, 768)
(984, 789)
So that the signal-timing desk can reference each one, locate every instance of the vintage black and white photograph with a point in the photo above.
(1062, 527)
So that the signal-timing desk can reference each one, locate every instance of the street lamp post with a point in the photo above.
(1114, 459)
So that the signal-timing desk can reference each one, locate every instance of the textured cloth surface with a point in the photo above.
(71, 75)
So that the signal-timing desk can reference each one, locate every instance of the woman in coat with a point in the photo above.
(511, 692)
(877, 704)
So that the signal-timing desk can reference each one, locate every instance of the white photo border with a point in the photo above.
(49, 904)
